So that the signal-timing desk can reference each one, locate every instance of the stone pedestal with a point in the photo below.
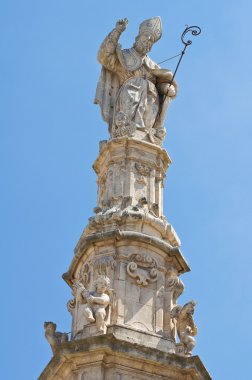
(130, 244)
(130, 250)
(128, 170)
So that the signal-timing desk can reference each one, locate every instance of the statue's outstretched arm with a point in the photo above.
(107, 52)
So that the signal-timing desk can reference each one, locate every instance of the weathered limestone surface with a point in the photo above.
(130, 242)
(143, 277)
(125, 273)
(133, 92)
(110, 356)
(54, 337)
(129, 170)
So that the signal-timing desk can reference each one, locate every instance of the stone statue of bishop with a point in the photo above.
(133, 91)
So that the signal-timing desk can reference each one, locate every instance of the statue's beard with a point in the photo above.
(142, 50)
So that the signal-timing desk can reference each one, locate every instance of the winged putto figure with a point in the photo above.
(186, 328)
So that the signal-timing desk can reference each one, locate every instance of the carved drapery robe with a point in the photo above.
(127, 92)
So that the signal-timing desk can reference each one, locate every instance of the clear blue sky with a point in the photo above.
(50, 131)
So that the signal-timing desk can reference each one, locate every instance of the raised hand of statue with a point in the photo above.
(80, 290)
(171, 91)
(121, 25)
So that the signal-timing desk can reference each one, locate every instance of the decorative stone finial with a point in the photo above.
(54, 337)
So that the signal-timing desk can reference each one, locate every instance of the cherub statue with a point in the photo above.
(54, 337)
(133, 91)
(95, 302)
(186, 329)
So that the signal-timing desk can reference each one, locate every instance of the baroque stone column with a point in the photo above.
(126, 268)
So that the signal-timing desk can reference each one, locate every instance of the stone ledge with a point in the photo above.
(129, 219)
(110, 351)
(83, 245)
(128, 143)
(133, 335)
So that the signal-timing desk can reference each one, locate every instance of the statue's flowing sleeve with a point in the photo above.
(106, 92)
(108, 83)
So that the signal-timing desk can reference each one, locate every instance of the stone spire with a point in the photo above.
(125, 273)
